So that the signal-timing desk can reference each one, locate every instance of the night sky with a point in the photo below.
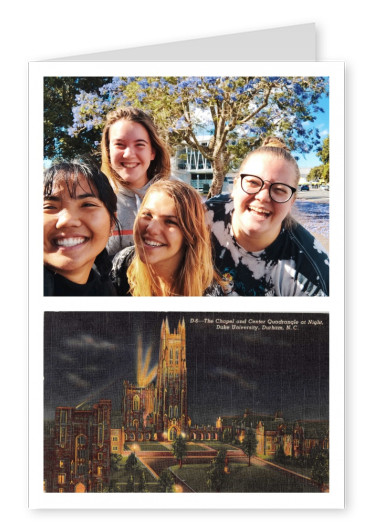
(89, 354)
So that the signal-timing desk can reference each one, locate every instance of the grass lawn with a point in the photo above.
(193, 475)
(245, 479)
(217, 445)
(304, 471)
(153, 446)
(298, 469)
(119, 478)
(192, 447)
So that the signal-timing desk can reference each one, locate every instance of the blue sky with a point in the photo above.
(322, 123)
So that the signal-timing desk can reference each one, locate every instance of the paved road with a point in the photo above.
(315, 196)
(311, 209)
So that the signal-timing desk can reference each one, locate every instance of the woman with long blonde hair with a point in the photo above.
(172, 253)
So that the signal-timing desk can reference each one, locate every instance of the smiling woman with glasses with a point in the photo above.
(259, 248)
(278, 192)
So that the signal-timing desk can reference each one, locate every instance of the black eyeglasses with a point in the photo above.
(279, 192)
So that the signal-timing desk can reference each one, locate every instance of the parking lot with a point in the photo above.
(316, 195)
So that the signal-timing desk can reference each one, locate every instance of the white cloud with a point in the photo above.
(76, 380)
(86, 340)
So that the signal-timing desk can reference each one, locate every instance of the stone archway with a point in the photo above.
(80, 487)
(172, 434)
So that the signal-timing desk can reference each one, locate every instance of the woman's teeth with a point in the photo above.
(69, 242)
(260, 211)
(153, 244)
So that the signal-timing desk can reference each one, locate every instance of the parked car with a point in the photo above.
(304, 188)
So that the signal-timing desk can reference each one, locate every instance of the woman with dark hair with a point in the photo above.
(259, 248)
(172, 253)
(133, 157)
(79, 209)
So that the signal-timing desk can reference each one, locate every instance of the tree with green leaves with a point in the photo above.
(315, 174)
(133, 467)
(323, 152)
(321, 173)
(130, 484)
(323, 155)
(142, 483)
(115, 462)
(179, 449)
(320, 468)
(235, 113)
(249, 445)
(131, 462)
(59, 97)
(216, 476)
(166, 481)
(227, 435)
(280, 455)
(112, 486)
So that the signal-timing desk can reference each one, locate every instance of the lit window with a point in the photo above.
(136, 403)
(61, 479)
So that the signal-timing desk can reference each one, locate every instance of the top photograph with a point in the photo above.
(186, 186)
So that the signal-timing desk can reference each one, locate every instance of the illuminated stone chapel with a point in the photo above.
(158, 411)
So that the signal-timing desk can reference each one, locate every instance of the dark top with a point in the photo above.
(57, 285)
(295, 264)
(120, 263)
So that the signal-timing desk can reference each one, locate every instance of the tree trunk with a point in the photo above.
(220, 167)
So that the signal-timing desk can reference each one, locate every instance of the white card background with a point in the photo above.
(39, 30)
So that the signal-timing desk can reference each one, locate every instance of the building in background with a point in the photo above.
(189, 165)
(79, 460)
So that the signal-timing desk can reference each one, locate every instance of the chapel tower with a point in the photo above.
(170, 402)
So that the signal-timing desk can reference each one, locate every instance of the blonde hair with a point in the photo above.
(275, 147)
(196, 272)
(159, 168)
